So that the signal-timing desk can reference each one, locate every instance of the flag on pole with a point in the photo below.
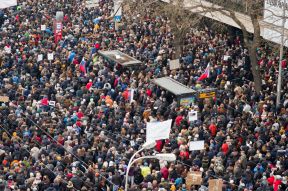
(206, 73)
(130, 95)
(83, 66)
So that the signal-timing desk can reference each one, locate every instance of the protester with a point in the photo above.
(70, 123)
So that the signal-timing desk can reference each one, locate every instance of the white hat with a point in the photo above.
(111, 163)
(278, 177)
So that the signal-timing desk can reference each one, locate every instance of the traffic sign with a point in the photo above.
(117, 18)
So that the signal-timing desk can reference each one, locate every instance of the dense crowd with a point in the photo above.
(85, 140)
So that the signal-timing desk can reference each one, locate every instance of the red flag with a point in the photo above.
(206, 74)
(83, 66)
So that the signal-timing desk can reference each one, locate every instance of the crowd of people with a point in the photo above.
(65, 128)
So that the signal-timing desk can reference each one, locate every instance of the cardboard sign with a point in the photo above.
(192, 116)
(50, 56)
(43, 27)
(4, 99)
(193, 178)
(204, 95)
(174, 64)
(215, 184)
(196, 145)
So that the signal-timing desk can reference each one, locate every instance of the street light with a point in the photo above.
(145, 146)
(170, 157)
(279, 80)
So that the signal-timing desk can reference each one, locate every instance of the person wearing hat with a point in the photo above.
(70, 186)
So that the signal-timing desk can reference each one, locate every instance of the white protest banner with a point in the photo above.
(43, 27)
(52, 103)
(50, 56)
(59, 16)
(7, 3)
(132, 143)
(226, 57)
(7, 49)
(158, 130)
(192, 116)
(92, 3)
(196, 145)
(40, 57)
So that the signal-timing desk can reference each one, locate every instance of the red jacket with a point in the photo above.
(149, 92)
(165, 173)
(45, 101)
(178, 120)
(158, 146)
(184, 154)
(225, 148)
(213, 129)
(80, 115)
(89, 85)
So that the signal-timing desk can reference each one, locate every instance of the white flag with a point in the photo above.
(131, 97)
(158, 130)
(7, 3)
(196, 145)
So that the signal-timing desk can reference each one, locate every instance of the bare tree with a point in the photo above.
(183, 14)
(179, 18)
(180, 22)
(254, 10)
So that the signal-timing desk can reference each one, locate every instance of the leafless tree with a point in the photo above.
(183, 14)
(179, 18)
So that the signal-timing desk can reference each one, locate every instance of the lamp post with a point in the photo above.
(145, 146)
(162, 156)
(279, 81)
